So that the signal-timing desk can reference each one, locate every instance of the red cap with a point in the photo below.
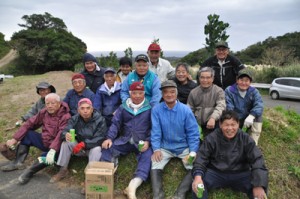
(154, 46)
(137, 86)
(78, 76)
(85, 101)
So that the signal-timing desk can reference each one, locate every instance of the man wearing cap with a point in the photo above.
(92, 72)
(125, 64)
(130, 125)
(207, 101)
(78, 92)
(53, 119)
(90, 130)
(174, 134)
(144, 75)
(42, 89)
(247, 102)
(158, 65)
(226, 66)
(107, 98)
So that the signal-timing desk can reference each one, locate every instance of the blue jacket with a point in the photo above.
(127, 124)
(72, 98)
(151, 84)
(251, 104)
(107, 104)
(174, 129)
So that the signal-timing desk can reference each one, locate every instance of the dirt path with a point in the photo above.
(8, 57)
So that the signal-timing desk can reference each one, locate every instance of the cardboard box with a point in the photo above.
(99, 180)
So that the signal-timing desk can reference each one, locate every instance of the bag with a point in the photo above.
(7, 152)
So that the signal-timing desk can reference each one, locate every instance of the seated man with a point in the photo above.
(228, 157)
(125, 68)
(42, 89)
(107, 98)
(78, 92)
(174, 133)
(133, 117)
(53, 119)
(247, 102)
(90, 129)
(144, 75)
(207, 101)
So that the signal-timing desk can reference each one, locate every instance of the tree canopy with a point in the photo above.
(46, 45)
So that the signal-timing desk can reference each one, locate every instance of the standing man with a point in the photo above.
(207, 101)
(226, 66)
(53, 119)
(229, 158)
(159, 66)
(90, 129)
(144, 75)
(174, 134)
(92, 72)
(78, 92)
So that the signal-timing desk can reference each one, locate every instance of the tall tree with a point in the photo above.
(128, 53)
(215, 31)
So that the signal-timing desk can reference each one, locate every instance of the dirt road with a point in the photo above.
(8, 57)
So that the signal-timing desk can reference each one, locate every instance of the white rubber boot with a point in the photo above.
(256, 129)
(131, 189)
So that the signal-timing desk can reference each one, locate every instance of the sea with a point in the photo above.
(177, 54)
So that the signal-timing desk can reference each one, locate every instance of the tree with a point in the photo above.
(215, 31)
(46, 45)
(109, 61)
(278, 56)
(128, 53)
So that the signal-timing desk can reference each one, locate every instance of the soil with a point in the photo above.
(8, 57)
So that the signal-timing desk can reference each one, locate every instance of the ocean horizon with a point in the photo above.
(178, 54)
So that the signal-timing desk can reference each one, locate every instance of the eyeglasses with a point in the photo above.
(202, 77)
(78, 82)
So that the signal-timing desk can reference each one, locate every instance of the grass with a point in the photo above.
(279, 142)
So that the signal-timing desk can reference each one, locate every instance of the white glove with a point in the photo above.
(249, 121)
(50, 157)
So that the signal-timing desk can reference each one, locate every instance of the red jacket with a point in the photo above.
(52, 126)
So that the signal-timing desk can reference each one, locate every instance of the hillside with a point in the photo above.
(280, 142)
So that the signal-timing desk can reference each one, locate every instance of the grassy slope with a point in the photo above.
(279, 143)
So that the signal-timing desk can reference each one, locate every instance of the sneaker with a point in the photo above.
(63, 172)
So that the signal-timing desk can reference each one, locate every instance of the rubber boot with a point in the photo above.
(21, 154)
(184, 186)
(131, 189)
(28, 173)
(255, 131)
(156, 181)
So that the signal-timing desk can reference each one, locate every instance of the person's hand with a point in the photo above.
(19, 123)
(211, 123)
(106, 144)
(249, 121)
(156, 156)
(197, 180)
(78, 147)
(259, 193)
(146, 146)
(68, 137)
(50, 157)
(11, 142)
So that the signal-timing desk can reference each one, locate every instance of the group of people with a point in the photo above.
(158, 113)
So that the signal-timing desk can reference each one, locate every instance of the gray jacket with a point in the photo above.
(39, 105)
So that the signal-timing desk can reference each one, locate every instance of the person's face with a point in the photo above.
(154, 55)
(206, 79)
(90, 66)
(78, 85)
(182, 74)
(85, 110)
(125, 68)
(137, 96)
(44, 91)
(222, 53)
(229, 128)
(52, 105)
(243, 83)
(110, 79)
(169, 95)
(141, 67)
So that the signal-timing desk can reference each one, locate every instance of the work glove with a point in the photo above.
(78, 147)
(50, 157)
(249, 121)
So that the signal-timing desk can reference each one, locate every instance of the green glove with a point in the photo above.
(50, 157)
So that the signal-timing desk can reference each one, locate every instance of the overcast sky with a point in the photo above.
(112, 25)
